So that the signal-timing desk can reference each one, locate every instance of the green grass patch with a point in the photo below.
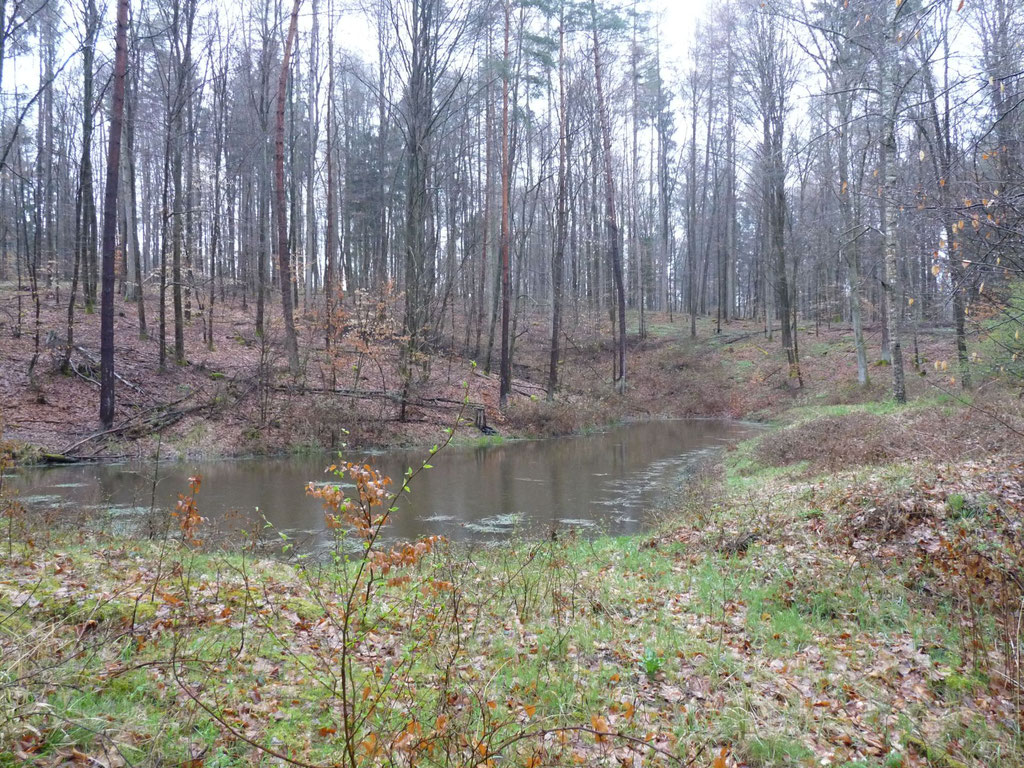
(775, 751)
(768, 651)
(743, 471)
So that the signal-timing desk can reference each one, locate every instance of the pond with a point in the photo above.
(615, 482)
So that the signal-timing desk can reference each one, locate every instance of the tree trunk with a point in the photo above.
(182, 83)
(887, 160)
(85, 219)
(942, 128)
(485, 237)
(87, 243)
(110, 220)
(561, 216)
(165, 218)
(850, 248)
(611, 221)
(311, 274)
(220, 116)
(329, 235)
(505, 385)
(691, 221)
(283, 256)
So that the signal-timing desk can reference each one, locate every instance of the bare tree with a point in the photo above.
(611, 219)
(283, 256)
(505, 384)
(110, 219)
(770, 74)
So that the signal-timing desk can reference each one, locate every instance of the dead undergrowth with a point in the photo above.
(942, 429)
(235, 397)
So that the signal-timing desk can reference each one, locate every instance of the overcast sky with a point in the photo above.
(677, 20)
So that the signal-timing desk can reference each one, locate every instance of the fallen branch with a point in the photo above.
(381, 394)
(740, 337)
(60, 458)
(57, 458)
(89, 356)
(151, 421)
(582, 355)
(81, 375)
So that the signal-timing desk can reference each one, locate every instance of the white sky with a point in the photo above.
(680, 19)
(676, 20)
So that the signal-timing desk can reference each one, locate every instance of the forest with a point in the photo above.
(455, 175)
(269, 229)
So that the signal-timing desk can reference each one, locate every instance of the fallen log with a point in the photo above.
(57, 458)
(95, 364)
(63, 459)
(380, 394)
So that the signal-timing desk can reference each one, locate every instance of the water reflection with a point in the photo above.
(615, 482)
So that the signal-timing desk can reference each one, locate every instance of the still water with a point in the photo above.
(614, 482)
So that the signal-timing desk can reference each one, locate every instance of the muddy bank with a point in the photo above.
(238, 399)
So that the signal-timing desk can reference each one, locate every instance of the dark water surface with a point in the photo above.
(613, 482)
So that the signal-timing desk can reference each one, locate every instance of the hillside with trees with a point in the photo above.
(267, 228)
(299, 209)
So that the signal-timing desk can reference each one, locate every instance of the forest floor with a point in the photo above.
(238, 398)
(854, 602)
(843, 589)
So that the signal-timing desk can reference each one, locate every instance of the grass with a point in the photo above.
(744, 470)
(885, 407)
(780, 618)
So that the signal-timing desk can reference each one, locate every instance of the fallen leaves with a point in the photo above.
(829, 680)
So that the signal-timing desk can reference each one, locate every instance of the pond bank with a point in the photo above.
(789, 614)
(222, 406)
